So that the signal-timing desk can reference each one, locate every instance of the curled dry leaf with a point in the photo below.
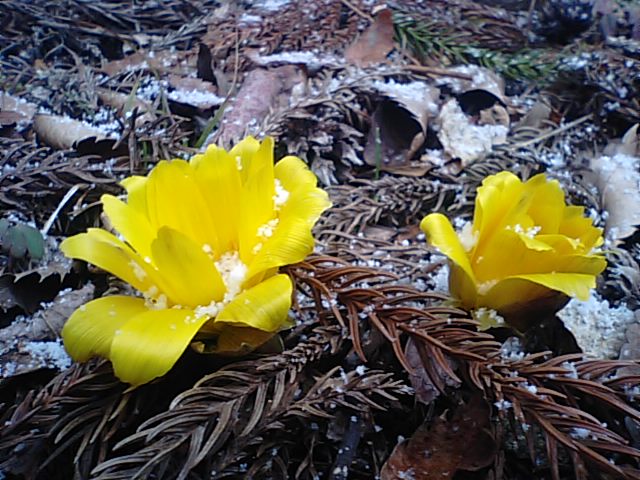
(616, 174)
(437, 453)
(477, 78)
(399, 124)
(375, 43)
(64, 132)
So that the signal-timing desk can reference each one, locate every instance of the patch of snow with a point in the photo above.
(197, 98)
(48, 354)
(598, 327)
(464, 140)
(310, 58)
(512, 350)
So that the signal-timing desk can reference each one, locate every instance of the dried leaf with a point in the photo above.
(375, 43)
(159, 61)
(437, 450)
(63, 132)
(399, 125)
(537, 115)
(617, 176)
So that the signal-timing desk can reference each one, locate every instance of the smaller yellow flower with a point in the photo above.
(524, 254)
(202, 242)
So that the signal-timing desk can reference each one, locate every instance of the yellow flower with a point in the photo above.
(525, 253)
(202, 242)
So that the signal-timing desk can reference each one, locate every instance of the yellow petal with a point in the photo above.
(576, 225)
(190, 276)
(136, 187)
(105, 251)
(441, 235)
(149, 344)
(130, 223)
(547, 207)
(243, 153)
(510, 254)
(90, 329)
(256, 203)
(294, 174)
(174, 200)
(523, 289)
(499, 197)
(218, 176)
(292, 240)
(265, 306)
(534, 243)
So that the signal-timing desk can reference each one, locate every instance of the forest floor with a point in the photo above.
(401, 110)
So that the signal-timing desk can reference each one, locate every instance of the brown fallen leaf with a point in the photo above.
(439, 449)
(616, 174)
(64, 132)
(399, 126)
(374, 44)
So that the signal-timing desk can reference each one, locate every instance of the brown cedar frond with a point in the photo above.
(223, 417)
(77, 412)
(397, 200)
(546, 392)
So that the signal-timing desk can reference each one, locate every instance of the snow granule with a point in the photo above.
(48, 354)
(598, 327)
(440, 279)
(266, 230)
(503, 404)
(512, 350)
(197, 98)
(464, 140)
(308, 58)
(580, 433)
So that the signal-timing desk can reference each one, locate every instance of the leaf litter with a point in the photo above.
(400, 111)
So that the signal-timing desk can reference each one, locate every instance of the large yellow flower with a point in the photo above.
(202, 242)
(526, 251)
